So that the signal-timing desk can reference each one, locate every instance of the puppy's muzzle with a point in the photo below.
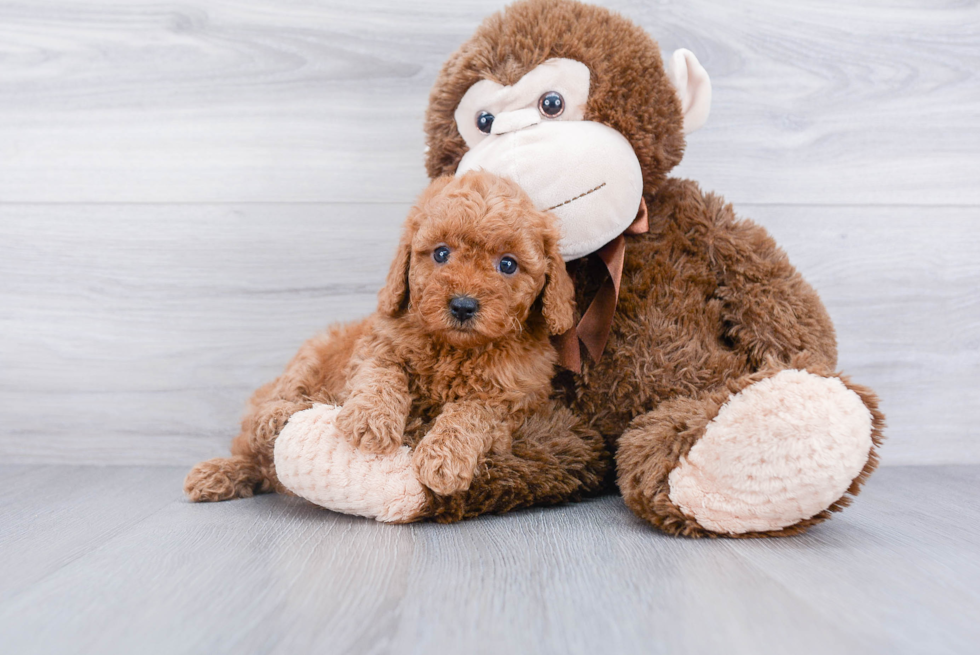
(464, 308)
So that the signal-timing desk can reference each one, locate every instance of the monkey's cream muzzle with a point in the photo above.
(583, 172)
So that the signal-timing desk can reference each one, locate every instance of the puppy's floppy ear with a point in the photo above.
(393, 297)
(558, 297)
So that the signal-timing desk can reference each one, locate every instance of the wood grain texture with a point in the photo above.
(189, 190)
(817, 101)
(54, 515)
(898, 572)
(135, 333)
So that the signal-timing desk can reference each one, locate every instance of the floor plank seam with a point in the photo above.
(114, 534)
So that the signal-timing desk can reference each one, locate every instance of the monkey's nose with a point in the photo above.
(512, 121)
(463, 308)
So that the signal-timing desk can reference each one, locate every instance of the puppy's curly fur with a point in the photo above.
(413, 368)
(478, 375)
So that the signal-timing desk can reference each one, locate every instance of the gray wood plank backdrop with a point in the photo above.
(188, 190)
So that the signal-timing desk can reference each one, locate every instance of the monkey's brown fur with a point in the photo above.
(454, 390)
(709, 303)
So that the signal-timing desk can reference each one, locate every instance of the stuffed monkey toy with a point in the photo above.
(701, 356)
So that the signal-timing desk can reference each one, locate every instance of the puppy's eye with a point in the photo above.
(507, 265)
(484, 122)
(551, 104)
(441, 255)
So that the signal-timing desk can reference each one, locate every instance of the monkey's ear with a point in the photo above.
(558, 297)
(693, 87)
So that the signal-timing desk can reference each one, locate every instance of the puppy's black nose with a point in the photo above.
(463, 308)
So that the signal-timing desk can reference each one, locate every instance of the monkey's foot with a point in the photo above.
(316, 462)
(779, 452)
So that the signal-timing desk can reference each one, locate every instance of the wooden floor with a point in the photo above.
(113, 560)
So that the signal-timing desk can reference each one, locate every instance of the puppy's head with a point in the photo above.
(478, 263)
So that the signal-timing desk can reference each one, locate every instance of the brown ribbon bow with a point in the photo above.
(593, 329)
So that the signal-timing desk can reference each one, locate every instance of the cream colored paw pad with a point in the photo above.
(780, 451)
(316, 462)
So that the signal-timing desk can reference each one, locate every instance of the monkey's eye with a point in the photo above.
(484, 122)
(507, 265)
(551, 104)
(441, 254)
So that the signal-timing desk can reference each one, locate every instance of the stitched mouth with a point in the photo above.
(581, 195)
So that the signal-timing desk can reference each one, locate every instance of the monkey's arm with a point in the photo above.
(768, 310)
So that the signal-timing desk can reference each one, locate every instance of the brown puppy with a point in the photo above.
(462, 331)
(466, 381)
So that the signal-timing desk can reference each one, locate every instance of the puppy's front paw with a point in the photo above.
(443, 468)
(369, 427)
